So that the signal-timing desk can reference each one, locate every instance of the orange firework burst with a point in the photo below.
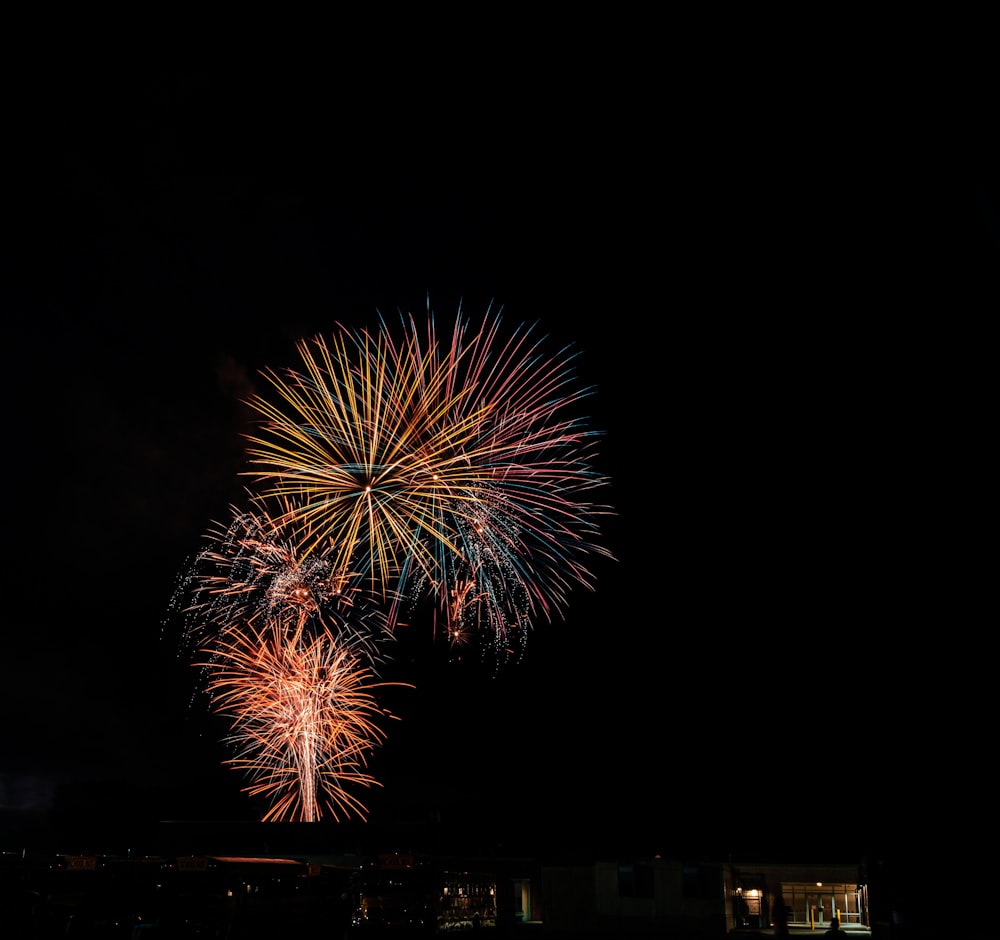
(304, 716)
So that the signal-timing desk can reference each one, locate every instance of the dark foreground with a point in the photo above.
(260, 887)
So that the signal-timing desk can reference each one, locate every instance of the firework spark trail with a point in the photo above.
(440, 462)
(304, 716)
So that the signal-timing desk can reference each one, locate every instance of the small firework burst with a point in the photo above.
(255, 568)
(304, 716)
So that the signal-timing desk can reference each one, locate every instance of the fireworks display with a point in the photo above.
(393, 474)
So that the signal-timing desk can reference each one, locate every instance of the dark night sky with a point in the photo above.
(770, 664)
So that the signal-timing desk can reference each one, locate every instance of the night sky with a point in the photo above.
(780, 658)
